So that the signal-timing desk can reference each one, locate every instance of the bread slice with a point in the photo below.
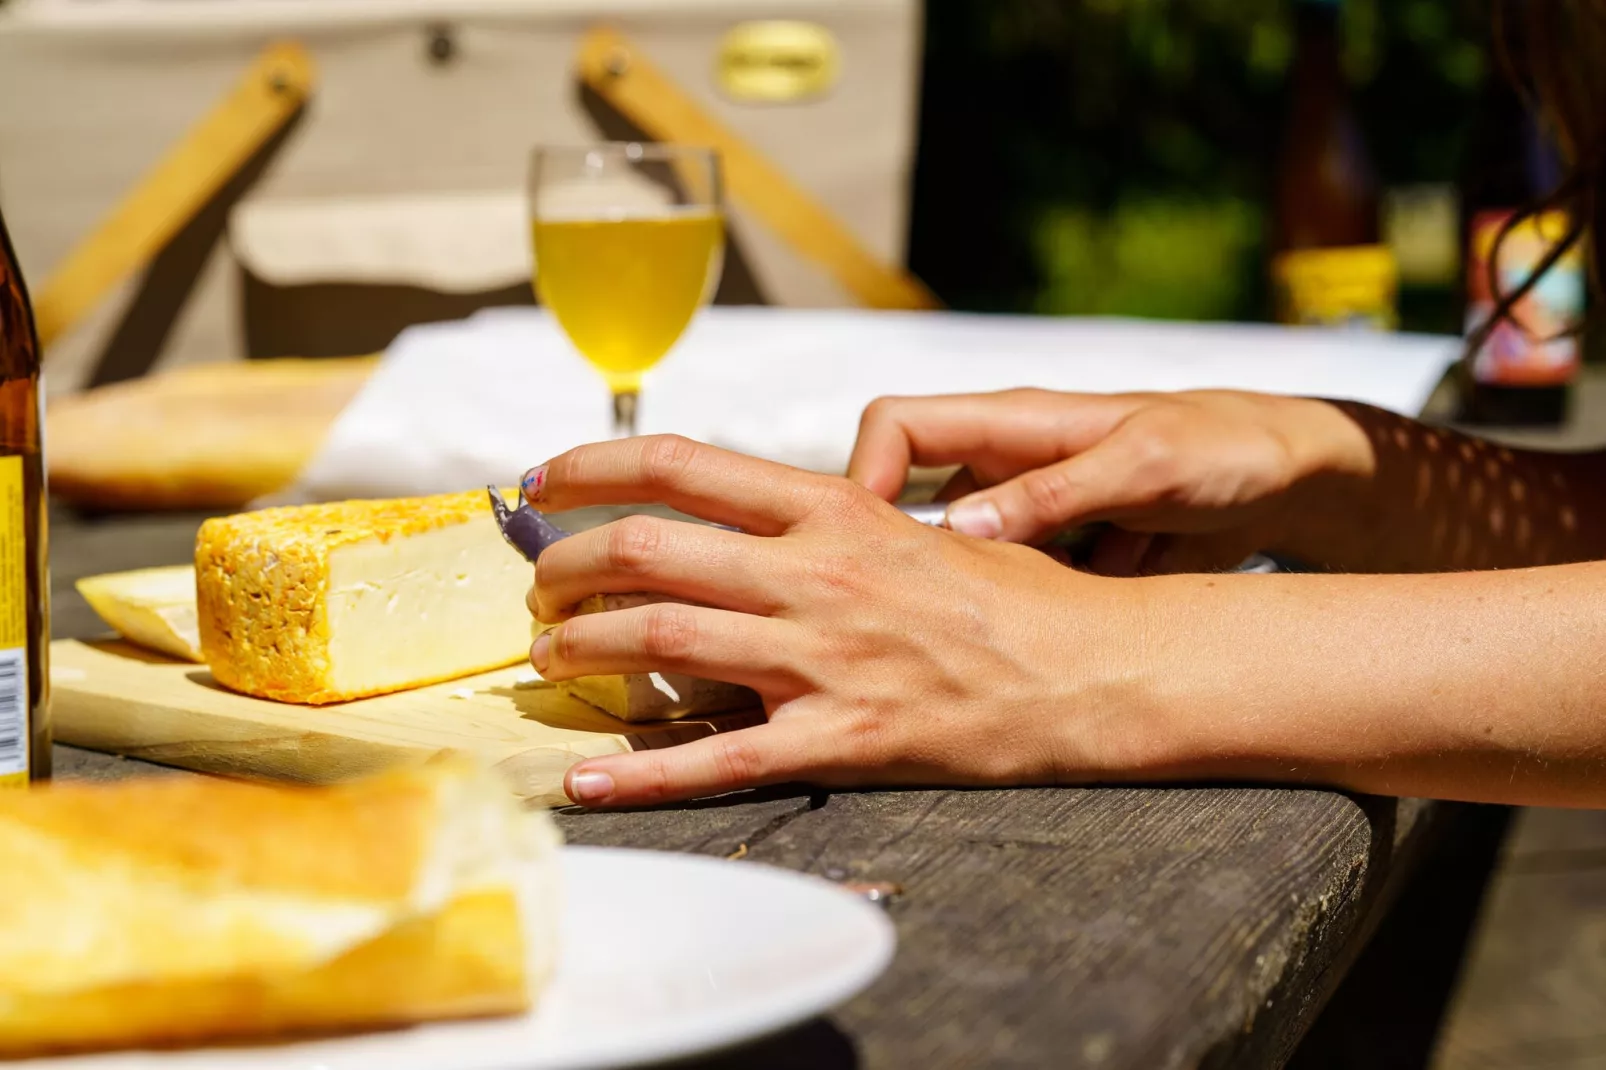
(325, 603)
(167, 911)
(205, 436)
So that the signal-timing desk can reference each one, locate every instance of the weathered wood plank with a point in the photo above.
(1098, 928)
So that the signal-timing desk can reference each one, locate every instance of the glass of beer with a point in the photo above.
(629, 243)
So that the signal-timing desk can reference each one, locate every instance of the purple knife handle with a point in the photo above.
(525, 529)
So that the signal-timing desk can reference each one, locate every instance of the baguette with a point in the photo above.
(174, 911)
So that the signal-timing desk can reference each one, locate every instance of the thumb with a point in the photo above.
(772, 753)
(1044, 501)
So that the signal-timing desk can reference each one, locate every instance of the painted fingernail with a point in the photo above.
(590, 787)
(541, 651)
(534, 484)
(980, 520)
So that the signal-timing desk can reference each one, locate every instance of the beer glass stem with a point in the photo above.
(624, 413)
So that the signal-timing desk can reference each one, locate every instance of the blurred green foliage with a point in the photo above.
(1116, 156)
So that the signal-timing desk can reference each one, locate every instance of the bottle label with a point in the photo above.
(1528, 348)
(13, 625)
(1351, 286)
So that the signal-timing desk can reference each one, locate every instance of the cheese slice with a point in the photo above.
(149, 607)
(656, 696)
(325, 603)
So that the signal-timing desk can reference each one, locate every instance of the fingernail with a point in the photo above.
(980, 520)
(540, 651)
(589, 787)
(534, 484)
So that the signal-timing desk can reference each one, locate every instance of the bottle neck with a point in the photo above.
(1317, 64)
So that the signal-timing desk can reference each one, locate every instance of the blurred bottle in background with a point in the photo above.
(24, 572)
(1329, 266)
(1522, 373)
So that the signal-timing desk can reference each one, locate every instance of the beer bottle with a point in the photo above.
(24, 570)
(1329, 265)
(1521, 374)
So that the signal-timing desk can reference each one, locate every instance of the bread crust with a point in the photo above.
(163, 911)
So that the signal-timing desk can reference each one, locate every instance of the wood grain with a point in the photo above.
(113, 697)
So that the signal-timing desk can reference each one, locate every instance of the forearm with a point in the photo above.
(1413, 498)
(1476, 686)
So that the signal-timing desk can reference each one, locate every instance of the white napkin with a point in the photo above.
(462, 404)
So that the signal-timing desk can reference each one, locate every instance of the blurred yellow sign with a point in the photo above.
(777, 61)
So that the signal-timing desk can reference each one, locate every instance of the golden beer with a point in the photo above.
(624, 288)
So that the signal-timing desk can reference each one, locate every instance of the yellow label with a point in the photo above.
(13, 626)
(1351, 286)
(777, 61)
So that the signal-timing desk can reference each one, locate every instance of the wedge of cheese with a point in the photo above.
(179, 911)
(149, 607)
(651, 696)
(325, 603)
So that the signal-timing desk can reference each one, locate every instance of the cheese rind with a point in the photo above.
(327, 603)
(651, 696)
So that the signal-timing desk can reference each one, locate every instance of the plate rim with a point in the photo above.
(830, 996)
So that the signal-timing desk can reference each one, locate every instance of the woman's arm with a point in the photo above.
(1200, 479)
(1426, 499)
(1476, 686)
(890, 653)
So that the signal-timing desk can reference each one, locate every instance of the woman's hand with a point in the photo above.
(885, 651)
(1218, 475)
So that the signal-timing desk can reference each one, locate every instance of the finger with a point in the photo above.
(774, 753)
(996, 435)
(653, 555)
(755, 495)
(1122, 477)
(711, 644)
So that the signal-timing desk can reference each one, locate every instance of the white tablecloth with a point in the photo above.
(462, 404)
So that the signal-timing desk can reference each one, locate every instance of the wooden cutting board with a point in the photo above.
(113, 697)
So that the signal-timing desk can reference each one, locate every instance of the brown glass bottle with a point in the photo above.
(1523, 371)
(1329, 266)
(24, 558)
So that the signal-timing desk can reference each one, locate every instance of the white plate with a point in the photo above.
(664, 956)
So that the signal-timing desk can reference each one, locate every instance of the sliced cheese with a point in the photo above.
(150, 607)
(325, 603)
(656, 696)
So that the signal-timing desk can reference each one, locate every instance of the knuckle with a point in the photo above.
(635, 545)
(656, 779)
(736, 760)
(669, 633)
(665, 459)
(882, 410)
(1153, 461)
(1048, 492)
(568, 643)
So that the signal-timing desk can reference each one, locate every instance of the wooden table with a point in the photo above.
(1143, 928)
